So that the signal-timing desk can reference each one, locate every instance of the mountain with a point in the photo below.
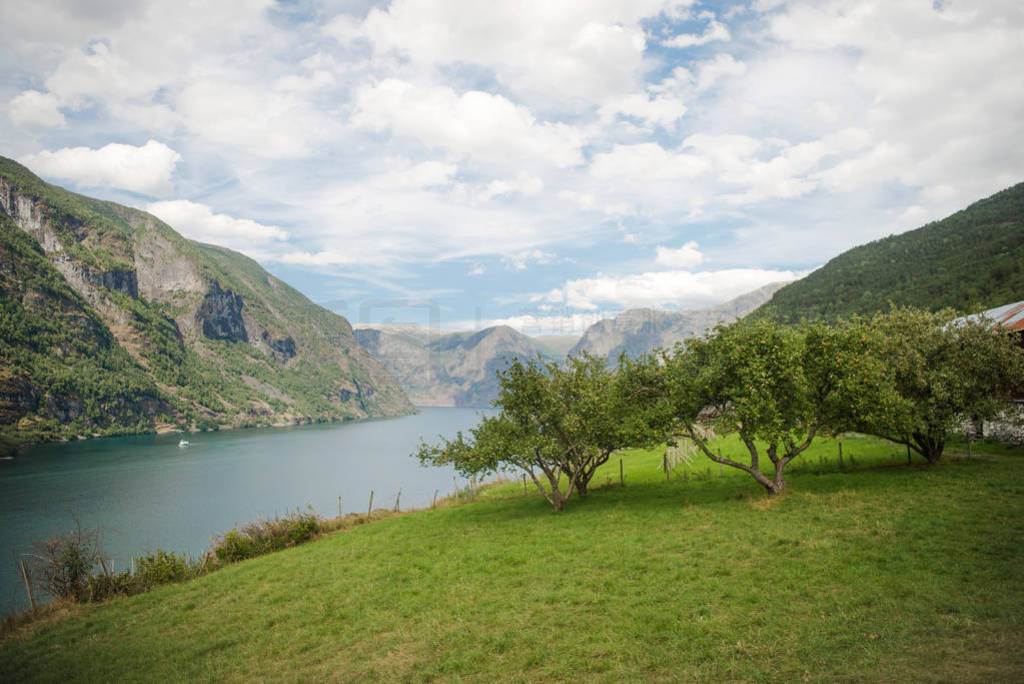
(637, 331)
(112, 322)
(970, 261)
(446, 369)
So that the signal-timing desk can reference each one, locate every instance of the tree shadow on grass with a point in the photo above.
(722, 489)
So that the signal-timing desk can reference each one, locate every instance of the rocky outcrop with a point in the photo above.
(124, 282)
(637, 331)
(30, 215)
(17, 399)
(283, 349)
(220, 315)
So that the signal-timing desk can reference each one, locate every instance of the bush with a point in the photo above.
(63, 565)
(165, 567)
(263, 536)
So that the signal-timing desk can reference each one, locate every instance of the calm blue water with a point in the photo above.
(145, 493)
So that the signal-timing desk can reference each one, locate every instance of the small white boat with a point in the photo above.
(183, 444)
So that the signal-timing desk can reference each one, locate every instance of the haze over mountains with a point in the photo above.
(637, 331)
(447, 369)
(458, 368)
(112, 322)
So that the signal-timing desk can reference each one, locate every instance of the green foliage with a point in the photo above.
(57, 353)
(775, 387)
(164, 567)
(561, 420)
(970, 261)
(90, 230)
(263, 536)
(940, 374)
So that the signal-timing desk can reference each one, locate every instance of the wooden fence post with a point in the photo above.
(339, 508)
(28, 585)
(370, 507)
(456, 485)
(524, 484)
(434, 502)
(840, 454)
(397, 497)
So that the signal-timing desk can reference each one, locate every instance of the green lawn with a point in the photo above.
(885, 571)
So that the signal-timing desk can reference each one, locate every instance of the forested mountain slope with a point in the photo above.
(970, 261)
(114, 322)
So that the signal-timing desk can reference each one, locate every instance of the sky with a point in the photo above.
(540, 164)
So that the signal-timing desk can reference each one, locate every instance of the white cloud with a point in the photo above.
(553, 52)
(663, 288)
(258, 120)
(714, 31)
(521, 260)
(645, 162)
(146, 170)
(477, 270)
(199, 222)
(474, 124)
(407, 175)
(524, 185)
(656, 110)
(37, 109)
(686, 256)
(933, 81)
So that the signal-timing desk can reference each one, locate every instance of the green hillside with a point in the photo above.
(879, 572)
(204, 334)
(970, 261)
(59, 361)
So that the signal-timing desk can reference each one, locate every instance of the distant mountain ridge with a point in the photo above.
(446, 368)
(113, 322)
(969, 261)
(637, 331)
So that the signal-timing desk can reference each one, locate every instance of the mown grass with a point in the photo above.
(886, 571)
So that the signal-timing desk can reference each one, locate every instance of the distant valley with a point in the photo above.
(438, 368)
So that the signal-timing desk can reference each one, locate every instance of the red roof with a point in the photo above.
(1010, 316)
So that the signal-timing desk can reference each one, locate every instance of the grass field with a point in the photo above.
(884, 571)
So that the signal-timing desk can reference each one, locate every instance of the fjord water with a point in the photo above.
(145, 492)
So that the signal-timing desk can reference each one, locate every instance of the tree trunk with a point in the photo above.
(778, 483)
(930, 446)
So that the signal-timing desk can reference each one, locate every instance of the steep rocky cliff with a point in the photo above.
(206, 336)
(446, 369)
(641, 330)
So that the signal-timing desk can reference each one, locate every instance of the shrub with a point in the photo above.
(165, 567)
(263, 536)
(64, 564)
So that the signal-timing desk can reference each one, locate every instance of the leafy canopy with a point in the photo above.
(558, 423)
